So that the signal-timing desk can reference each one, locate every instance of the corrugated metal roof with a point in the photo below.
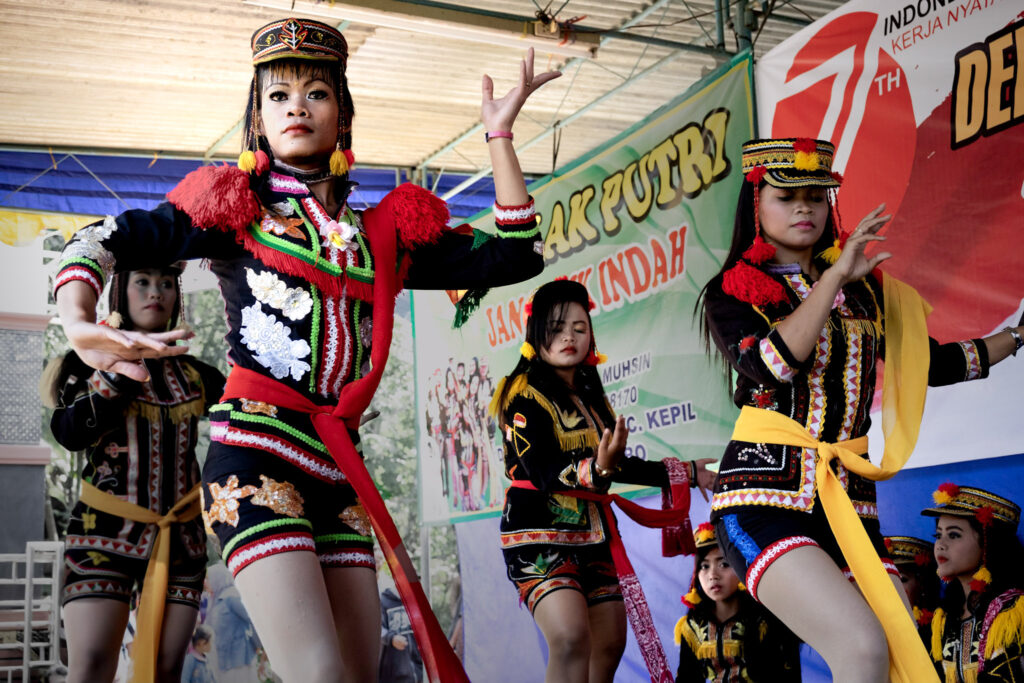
(170, 76)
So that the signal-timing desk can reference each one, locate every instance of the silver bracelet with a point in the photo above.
(1017, 339)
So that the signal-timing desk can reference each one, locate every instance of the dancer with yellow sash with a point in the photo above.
(802, 316)
(136, 528)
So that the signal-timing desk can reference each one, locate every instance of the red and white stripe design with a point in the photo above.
(773, 552)
(286, 184)
(514, 215)
(233, 436)
(78, 273)
(245, 555)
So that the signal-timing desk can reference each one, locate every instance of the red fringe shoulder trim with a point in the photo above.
(420, 216)
(217, 197)
(752, 285)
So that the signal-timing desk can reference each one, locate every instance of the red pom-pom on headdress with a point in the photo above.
(756, 175)
(528, 308)
(946, 493)
(805, 145)
(262, 162)
(760, 251)
(984, 515)
(922, 559)
(748, 343)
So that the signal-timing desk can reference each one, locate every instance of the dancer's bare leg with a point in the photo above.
(564, 620)
(807, 591)
(287, 600)
(175, 634)
(95, 628)
(607, 639)
(355, 604)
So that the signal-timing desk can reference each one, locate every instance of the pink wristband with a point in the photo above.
(497, 134)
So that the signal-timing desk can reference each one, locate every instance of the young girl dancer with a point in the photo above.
(140, 474)
(726, 636)
(563, 448)
(801, 315)
(309, 287)
(977, 635)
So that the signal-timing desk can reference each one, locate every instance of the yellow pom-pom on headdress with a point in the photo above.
(339, 163)
(981, 579)
(247, 161)
(705, 533)
(527, 351)
(741, 586)
(804, 161)
(945, 493)
(691, 599)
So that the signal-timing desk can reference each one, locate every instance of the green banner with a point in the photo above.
(644, 221)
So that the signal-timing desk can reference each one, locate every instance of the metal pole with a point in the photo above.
(721, 9)
(740, 25)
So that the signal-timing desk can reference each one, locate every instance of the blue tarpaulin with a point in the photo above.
(100, 185)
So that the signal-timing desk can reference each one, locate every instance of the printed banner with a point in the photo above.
(922, 100)
(643, 222)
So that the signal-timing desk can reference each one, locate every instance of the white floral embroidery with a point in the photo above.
(272, 344)
(294, 302)
(86, 244)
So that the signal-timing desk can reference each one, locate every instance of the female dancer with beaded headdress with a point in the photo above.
(139, 441)
(801, 314)
(309, 286)
(977, 633)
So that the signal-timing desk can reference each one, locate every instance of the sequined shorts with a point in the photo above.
(539, 569)
(258, 505)
(752, 538)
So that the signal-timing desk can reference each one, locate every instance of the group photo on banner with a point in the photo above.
(732, 393)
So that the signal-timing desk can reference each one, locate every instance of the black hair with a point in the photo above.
(743, 233)
(201, 634)
(1003, 556)
(549, 303)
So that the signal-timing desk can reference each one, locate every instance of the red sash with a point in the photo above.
(442, 664)
(636, 602)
